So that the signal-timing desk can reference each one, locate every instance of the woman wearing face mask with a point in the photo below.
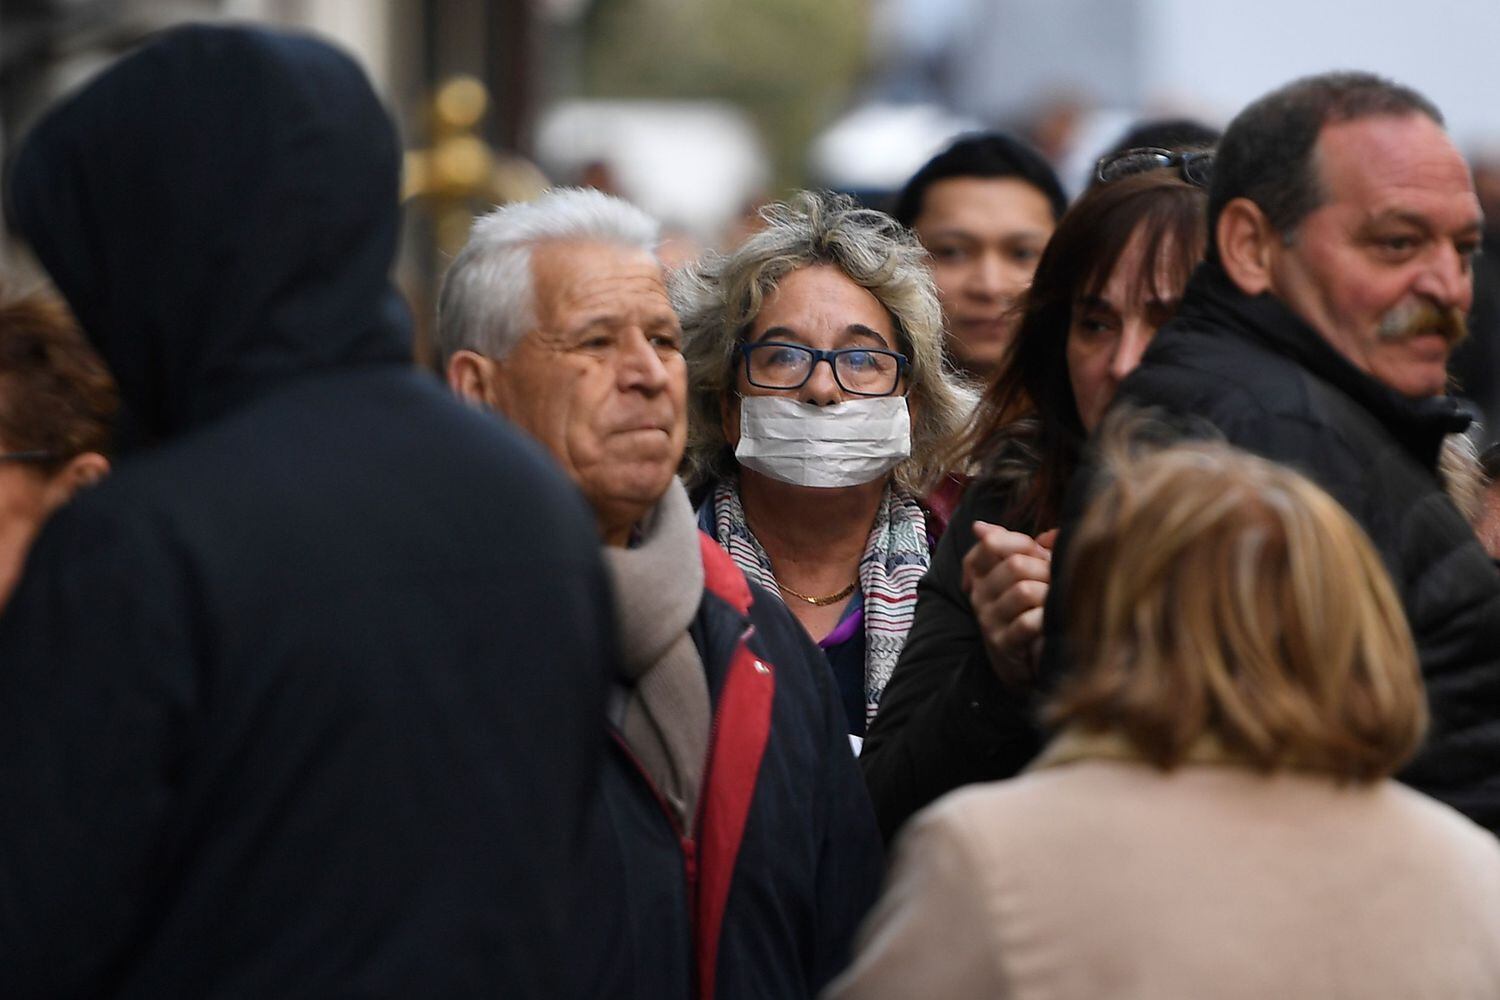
(818, 410)
(959, 707)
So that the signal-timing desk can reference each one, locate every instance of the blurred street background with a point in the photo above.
(698, 110)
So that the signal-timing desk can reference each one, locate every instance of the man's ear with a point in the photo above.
(475, 379)
(1247, 245)
(82, 470)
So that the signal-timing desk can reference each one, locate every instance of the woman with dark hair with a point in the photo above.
(57, 409)
(959, 706)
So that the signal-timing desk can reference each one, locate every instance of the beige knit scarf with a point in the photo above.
(658, 586)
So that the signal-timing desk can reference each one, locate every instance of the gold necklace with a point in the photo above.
(818, 602)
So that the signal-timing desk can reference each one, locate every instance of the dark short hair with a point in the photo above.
(980, 154)
(1266, 153)
(56, 396)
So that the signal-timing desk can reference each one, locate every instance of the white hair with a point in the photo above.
(487, 302)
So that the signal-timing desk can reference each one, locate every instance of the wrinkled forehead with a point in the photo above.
(825, 296)
(604, 281)
(1395, 164)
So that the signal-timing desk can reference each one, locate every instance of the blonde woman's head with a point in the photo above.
(1213, 594)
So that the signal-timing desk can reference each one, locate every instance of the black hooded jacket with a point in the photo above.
(304, 700)
(1254, 373)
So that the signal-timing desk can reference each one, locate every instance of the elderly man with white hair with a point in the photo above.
(736, 848)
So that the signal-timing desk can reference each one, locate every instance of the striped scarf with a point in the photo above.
(895, 558)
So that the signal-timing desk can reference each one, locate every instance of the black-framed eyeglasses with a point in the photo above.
(38, 457)
(862, 371)
(1195, 165)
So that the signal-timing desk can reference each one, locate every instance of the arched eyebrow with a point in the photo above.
(860, 330)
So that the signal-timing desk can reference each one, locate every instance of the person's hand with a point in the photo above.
(1006, 576)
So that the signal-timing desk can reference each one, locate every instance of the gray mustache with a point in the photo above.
(1408, 321)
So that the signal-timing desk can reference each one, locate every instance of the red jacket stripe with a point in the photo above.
(742, 723)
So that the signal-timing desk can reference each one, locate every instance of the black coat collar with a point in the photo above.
(1213, 303)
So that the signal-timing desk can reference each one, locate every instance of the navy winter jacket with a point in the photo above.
(303, 700)
(762, 897)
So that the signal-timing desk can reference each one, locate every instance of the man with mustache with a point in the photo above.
(1343, 225)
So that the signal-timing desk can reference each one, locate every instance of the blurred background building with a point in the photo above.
(700, 109)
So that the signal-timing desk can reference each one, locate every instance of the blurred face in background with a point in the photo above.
(985, 235)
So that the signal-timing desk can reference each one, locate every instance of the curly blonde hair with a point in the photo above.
(719, 298)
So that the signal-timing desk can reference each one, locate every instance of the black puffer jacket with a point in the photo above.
(945, 719)
(1273, 386)
(304, 700)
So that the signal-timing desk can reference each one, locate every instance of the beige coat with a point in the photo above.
(1098, 878)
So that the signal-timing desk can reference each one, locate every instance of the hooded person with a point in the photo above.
(287, 708)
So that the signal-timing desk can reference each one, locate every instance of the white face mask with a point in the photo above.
(844, 444)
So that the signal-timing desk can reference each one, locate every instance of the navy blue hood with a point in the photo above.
(220, 210)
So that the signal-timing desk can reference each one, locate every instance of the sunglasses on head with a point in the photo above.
(1195, 165)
